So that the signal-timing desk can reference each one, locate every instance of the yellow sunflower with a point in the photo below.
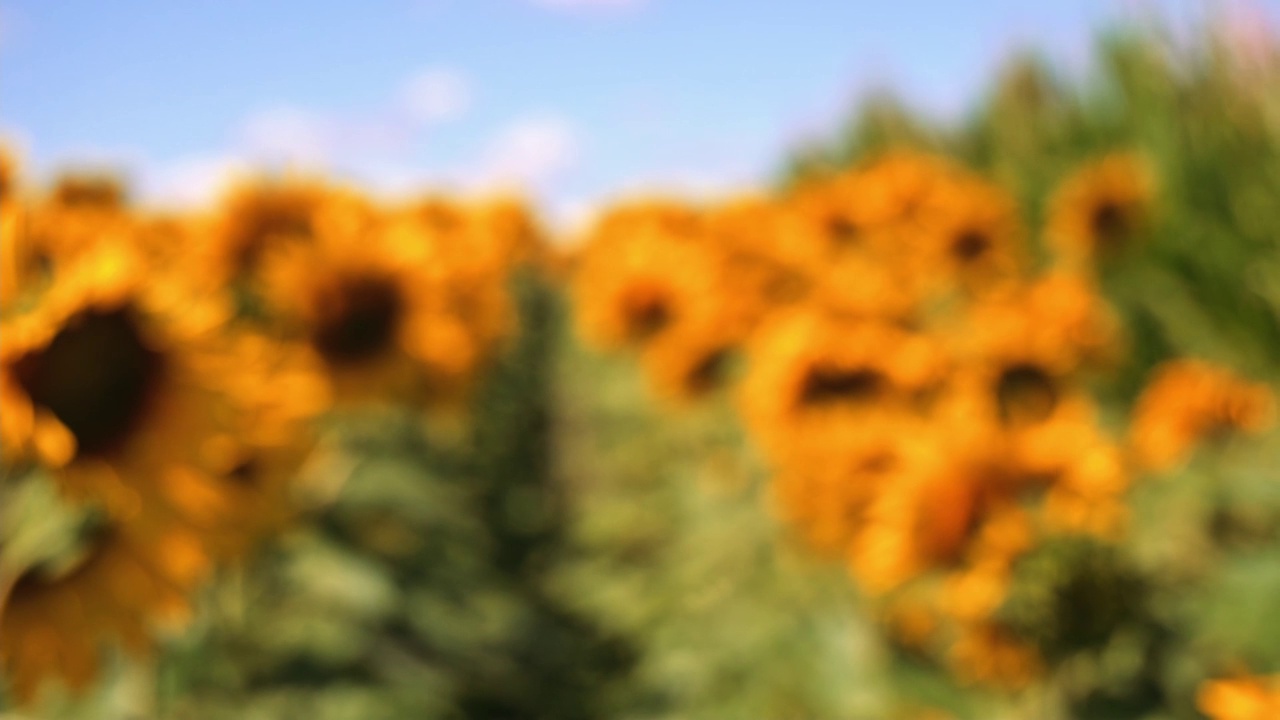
(768, 258)
(259, 215)
(935, 512)
(118, 382)
(18, 263)
(692, 359)
(1088, 496)
(512, 227)
(1060, 319)
(630, 288)
(969, 234)
(1101, 209)
(1189, 401)
(1248, 698)
(385, 308)
(473, 252)
(812, 375)
(868, 209)
(75, 216)
(129, 579)
(824, 491)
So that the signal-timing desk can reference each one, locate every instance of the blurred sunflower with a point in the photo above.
(1058, 323)
(1101, 209)
(934, 514)
(870, 209)
(824, 491)
(258, 215)
(377, 303)
(692, 359)
(970, 234)
(512, 227)
(768, 258)
(473, 251)
(78, 213)
(17, 261)
(811, 375)
(1249, 698)
(631, 288)
(1190, 401)
(118, 381)
(57, 621)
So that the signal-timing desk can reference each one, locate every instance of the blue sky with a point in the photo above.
(577, 100)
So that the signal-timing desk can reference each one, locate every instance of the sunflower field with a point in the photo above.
(970, 420)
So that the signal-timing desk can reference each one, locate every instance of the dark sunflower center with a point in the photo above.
(1025, 394)
(828, 385)
(970, 245)
(357, 319)
(842, 231)
(1110, 222)
(647, 316)
(96, 376)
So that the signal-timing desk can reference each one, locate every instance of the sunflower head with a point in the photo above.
(632, 287)
(136, 581)
(356, 317)
(84, 191)
(257, 216)
(1190, 401)
(100, 402)
(1102, 209)
(970, 235)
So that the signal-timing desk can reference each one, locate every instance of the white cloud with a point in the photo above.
(191, 182)
(436, 95)
(529, 152)
(289, 136)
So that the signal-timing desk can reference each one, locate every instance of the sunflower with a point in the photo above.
(865, 209)
(473, 252)
(933, 514)
(118, 382)
(57, 622)
(1102, 209)
(969, 234)
(1189, 401)
(378, 302)
(512, 227)
(17, 261)
(1059, 319)
(769, 259)
(825, 491)
(692, 359)
(1248, 698)
(258, 215)
(811, 377)
(632, 287)
(1088, 495)
(80, 212)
